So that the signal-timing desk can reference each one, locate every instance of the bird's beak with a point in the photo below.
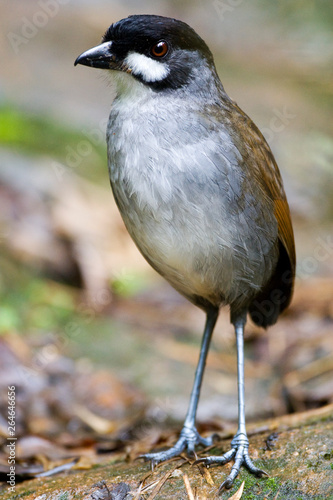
(97, 57)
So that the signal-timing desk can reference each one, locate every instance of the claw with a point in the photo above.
(200, 461)
(226, 485)
(189, 438)
(252, 468)
(239, 452)
(208, 461)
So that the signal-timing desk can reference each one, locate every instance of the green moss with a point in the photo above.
(63, 496)
(249, 496)
(35, 134)
(22, 495)
(30, 303)
(271, 485)
(128, 283)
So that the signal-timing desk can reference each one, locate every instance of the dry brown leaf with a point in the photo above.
(309, 371)
(206, 474)
(32, 446)
(238, 493)
(95, 422)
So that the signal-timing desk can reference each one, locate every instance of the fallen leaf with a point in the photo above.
(238, 493)
(206, 474)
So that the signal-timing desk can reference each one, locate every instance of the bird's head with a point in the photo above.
(160, 52)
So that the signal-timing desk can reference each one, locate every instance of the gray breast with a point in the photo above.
(179, 187)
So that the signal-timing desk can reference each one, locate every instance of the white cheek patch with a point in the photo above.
(149, 69)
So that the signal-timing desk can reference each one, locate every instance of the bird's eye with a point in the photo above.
(159, 49)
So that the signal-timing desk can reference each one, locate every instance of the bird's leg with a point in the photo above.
(240, 443)
(189, 436)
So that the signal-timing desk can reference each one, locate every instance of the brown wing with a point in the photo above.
(286, 233)
(277, 293)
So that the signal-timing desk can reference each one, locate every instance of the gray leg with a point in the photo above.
(189, 436)
(240, 443)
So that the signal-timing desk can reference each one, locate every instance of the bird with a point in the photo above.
(200, 194)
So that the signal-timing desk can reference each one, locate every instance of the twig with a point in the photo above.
(163, 480)
(188, 487)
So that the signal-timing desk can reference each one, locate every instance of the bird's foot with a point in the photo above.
(188, 439)
(240, 452)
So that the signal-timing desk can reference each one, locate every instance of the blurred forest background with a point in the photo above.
(88, 330)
